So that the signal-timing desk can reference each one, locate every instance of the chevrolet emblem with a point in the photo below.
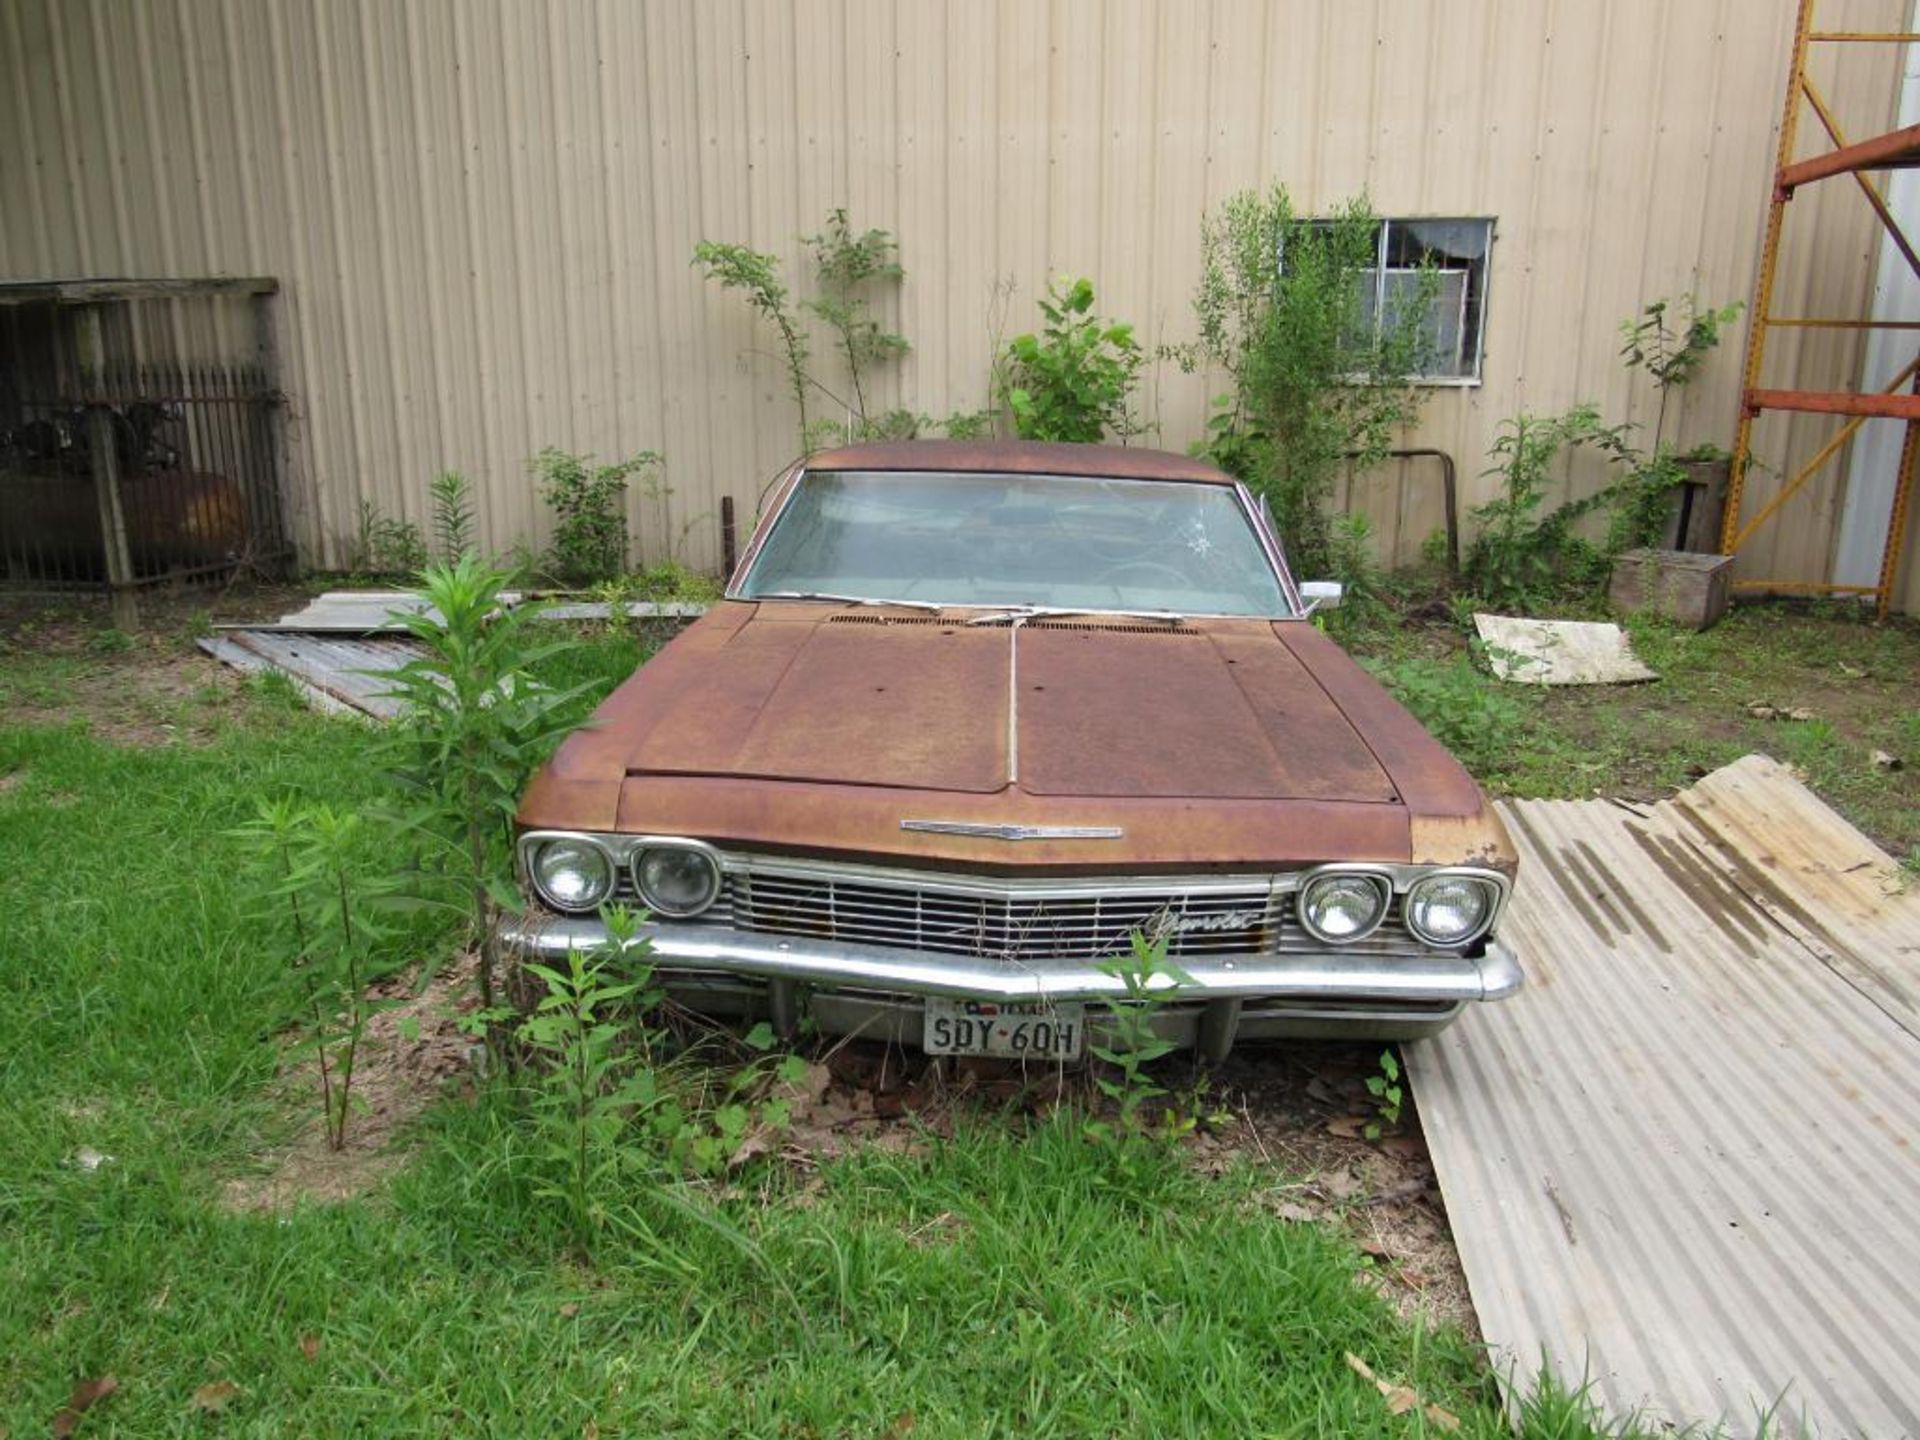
(1014, 832)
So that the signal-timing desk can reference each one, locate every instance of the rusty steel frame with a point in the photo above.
(1898, 149)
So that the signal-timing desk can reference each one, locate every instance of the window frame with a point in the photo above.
(1381, 270)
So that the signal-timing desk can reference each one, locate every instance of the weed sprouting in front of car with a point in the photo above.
(1149, 980)
(321, 901)
(1388, 1094)
(476, 725)
(593, 1082)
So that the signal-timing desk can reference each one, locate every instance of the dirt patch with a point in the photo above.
(69, 623)
(410, 1056)
(138, 699)
(62, 662)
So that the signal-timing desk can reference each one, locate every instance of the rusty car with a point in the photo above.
(971, 717)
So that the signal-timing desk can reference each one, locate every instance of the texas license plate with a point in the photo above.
(1011, 1032)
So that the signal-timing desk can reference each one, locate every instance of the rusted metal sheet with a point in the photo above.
(1681, 1164)
(335, 673)
(375, 612)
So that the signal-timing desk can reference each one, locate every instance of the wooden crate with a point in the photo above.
(1688, 588)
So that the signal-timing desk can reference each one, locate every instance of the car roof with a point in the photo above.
(1019, 457)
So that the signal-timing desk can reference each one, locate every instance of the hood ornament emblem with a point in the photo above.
(1014, 832)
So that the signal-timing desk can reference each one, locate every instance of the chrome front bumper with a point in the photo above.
(1372, 982)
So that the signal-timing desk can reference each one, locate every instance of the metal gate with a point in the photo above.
(123, 464)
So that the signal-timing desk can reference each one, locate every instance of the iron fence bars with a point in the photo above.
(120, 469)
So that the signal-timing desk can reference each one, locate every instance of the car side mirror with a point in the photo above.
(1321, 594)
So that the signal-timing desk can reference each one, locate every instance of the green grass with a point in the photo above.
(1012, 1279)
(1860, 680)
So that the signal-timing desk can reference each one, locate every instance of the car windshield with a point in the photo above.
(1056, 542)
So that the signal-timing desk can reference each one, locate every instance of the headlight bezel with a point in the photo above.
(537, 849)
(1379, 880)
(716, 873)
(624, 853)
(1492, 887)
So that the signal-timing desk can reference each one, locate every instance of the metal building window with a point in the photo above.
(1455, 253)
(1450, 255)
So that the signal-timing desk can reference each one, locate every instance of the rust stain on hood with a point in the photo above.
(1221, 743)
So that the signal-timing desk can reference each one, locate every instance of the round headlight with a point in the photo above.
(1338, 907)
(572, 874)
(677, 881)
(1450, 909)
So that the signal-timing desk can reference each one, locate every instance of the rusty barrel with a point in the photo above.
(176, 520)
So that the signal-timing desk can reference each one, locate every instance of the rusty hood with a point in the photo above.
(799, 726)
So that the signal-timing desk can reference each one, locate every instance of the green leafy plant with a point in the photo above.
(476, 725)
(1671, 339)
(386, 546)
(1147, 978)
(846, 265)
(1385, 1088)
(588, 501)
(451, 496)
(1318, 380)
(1520, 554)
(755, 276)
(1363, 583)
(321, 905)
(1075, 379)
(1464, 710)
(591, 1083)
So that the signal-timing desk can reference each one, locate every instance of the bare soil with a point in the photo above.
(409, 1056)
(150, 687)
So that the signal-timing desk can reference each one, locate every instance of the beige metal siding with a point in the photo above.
(483, 210)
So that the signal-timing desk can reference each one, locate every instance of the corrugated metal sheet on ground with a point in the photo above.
(372, 612)
(1681, 1162)
(335, 673)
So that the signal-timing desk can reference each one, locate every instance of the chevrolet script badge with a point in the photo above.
(1014, 832)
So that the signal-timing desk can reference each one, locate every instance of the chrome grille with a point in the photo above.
(1005, 926)
(877, 908)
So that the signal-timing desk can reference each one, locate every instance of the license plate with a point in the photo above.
(1011, 1032)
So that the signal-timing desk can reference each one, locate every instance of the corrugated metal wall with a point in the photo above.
(483, 212)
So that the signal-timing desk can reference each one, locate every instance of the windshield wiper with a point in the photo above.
(1049, 612)
(844, 599)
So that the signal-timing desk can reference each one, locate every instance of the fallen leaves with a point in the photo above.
(1402, 1398)
(86, 1394)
